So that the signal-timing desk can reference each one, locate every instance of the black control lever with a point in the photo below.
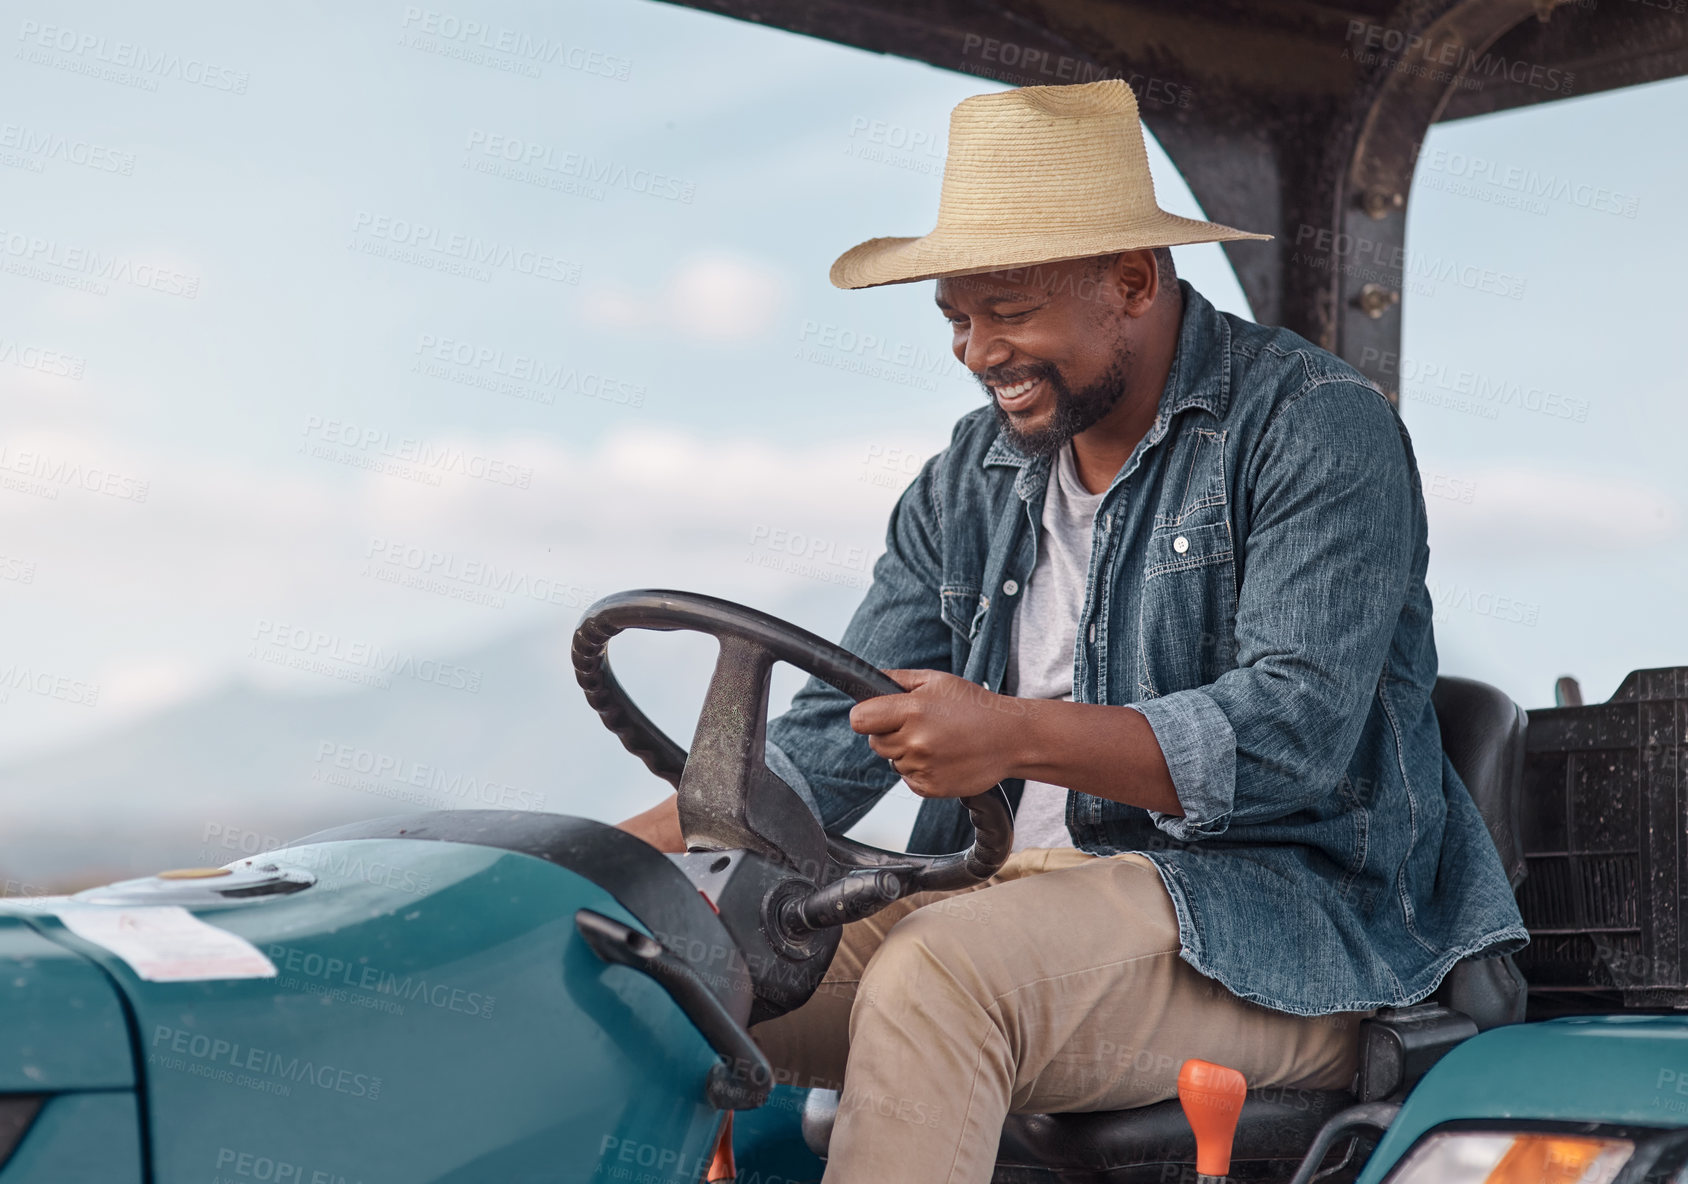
(742, 1079)
(848, 898)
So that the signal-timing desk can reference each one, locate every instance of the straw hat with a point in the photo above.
(1035, 175)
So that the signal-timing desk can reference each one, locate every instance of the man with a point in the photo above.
(1169, 589)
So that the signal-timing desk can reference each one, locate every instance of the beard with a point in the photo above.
(1074, 410)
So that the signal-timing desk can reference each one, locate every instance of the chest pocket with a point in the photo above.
(1195, 485)
(1188, 615)
(1180, 548)
(962, 608)
(1193, 528)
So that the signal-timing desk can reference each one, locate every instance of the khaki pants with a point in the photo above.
(1054, 986)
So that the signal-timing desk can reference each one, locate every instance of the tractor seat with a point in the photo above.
(1128, 1146)
(1483, 736)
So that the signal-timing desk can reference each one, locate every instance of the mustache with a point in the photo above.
(1005, 376)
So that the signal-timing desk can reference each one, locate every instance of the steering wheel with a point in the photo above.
(728, 797)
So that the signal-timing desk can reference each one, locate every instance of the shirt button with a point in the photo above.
(1093, 632)
(1011, 587)
(1180, 544)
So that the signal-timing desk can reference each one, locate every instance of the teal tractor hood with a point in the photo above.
(433, 1016)
(1616, 1069)
(62, 1027)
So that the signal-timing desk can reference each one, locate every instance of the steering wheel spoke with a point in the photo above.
(728, 796)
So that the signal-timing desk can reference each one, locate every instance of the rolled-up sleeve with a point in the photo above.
(1200, 748)
(1334, 521)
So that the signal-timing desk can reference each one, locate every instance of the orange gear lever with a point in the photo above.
(721, 1168)
(1212, 1097)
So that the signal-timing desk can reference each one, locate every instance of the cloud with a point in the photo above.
(152, 599)
(1521, 510)
(717, 296)
(140, 687)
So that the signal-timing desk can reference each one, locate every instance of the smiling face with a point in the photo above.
(1055, 346)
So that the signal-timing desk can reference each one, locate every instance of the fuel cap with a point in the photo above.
(246, 879)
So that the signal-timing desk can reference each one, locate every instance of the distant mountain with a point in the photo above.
(241, 769)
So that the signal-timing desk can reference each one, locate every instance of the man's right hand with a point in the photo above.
(659, 826)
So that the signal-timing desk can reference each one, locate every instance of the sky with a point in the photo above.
(297, 408)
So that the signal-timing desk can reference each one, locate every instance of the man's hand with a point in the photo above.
(952, 738)
(949, 738)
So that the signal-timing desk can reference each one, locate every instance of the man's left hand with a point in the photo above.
(949, 738)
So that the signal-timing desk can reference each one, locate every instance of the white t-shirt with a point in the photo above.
(1043, 639)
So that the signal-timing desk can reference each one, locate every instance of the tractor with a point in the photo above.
(487, 995)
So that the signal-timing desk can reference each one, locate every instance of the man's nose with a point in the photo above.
(984, 349)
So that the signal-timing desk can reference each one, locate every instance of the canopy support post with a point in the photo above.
(1336, 172)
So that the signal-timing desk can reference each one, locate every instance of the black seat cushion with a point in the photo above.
(1483, 735)
(1276, 1124)
(1491, 991)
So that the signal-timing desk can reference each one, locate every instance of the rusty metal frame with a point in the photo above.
(1299, 118)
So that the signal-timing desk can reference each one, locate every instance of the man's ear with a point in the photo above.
(1136, 281)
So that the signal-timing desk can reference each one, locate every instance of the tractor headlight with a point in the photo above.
(1480, 1157)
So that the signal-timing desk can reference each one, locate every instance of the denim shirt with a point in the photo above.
(1257, 591)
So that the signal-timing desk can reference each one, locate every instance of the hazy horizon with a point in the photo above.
(361, 334)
